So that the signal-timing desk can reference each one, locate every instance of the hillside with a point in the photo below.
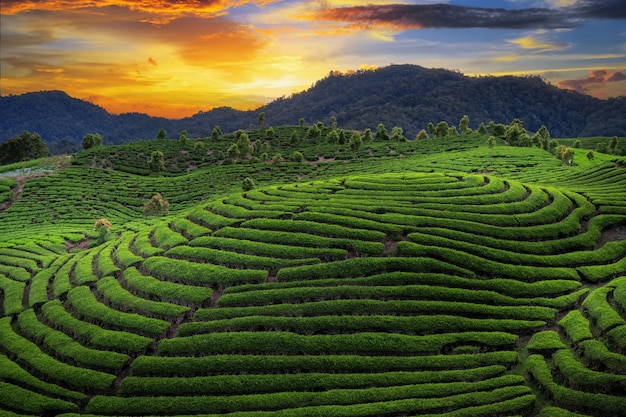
(439, 277)
(408, 96)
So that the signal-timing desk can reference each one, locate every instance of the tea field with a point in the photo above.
(420, 278)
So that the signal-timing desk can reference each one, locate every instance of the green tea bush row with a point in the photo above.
(209, 219)
(15, 273)
(579, 401)
(166, 238)
(106, 266)
(83, 269)
(257, 384)
(223, 208)
(300, 239)
(343, 307)
(421, 325)
(367, 343)
(360, 267)
(290, 364)
(41, 261)
(268, 249)
(30, 353)
(580, 378)
(27, 264)
(114, 293)
(166, 291)
(597, 355)
(431, 396)
(10, 371)
(13, 293)
(547, 340)
(605, 254)
(86, 304)
(38, 292)
(598, 273)
(188, 228)
(511, 287)
(487, 266)
(62, 283)
(242, 200)
(119, 341)
(123, 255)
(27, 401)
(186, 272)
(315, 228)
(348, 221)
(597, 307)
(576, 326)
(143, 246)
(383, 293)
(618, 336)
(63, 345)
(235, 259)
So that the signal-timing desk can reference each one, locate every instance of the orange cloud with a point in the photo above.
(595, 78)
(161, 11)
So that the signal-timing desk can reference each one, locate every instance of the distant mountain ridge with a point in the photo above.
(408, 96)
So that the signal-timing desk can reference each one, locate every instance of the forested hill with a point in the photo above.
(408, 96)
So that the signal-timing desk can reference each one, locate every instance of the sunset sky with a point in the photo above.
(174, 58)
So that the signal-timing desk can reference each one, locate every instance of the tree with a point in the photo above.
(482, 129)
(614, 145)
(441, 130)
(381, 132)
(199, 148)
(367, 136)
(491, 126)
(155, 162)
(491, 142)
(156, 206)
(464, 125)
(565, 154)
(397, 134)
(332, 137)
(430, 128)
(577, 144)
(421, 135)
(276, 159)
(590, 155)
(355, 143)
(91, 140)
(102, 227)
(498, 130)
(25, 147)
(248, 184)
(270, 132)
(216, 134)
(342, 137)
(261, 119)
(333, 122)
(516, 135)
(243, 145)
(314, 132)
(184, 141)
(452, 131)
(301, 122)
(297, 157)
(293, 139)
(602, 147)
(162, 134)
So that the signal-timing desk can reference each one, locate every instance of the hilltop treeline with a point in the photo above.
(407, 96)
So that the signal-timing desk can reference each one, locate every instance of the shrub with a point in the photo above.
(156, 206)
(248, 184)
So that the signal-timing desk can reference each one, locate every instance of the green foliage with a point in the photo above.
(156, 206)
(248, 184)
(155, 162)
(441, 130)
(25, 147)
(297, 157)
(92, 139)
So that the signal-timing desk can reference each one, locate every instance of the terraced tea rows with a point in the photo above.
(368, 295)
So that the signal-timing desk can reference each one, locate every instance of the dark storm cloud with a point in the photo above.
(405, 16)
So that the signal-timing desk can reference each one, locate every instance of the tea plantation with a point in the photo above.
(418, 278)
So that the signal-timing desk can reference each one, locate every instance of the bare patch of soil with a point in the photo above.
(612, 234)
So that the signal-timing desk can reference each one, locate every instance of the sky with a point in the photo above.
(175, 58)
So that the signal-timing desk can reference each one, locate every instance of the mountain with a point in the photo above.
(408, 96)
